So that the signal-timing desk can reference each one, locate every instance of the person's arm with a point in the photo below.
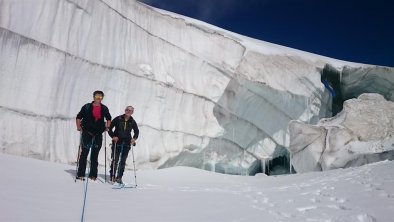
(79, 117)
(108, 118)
(111, 133)
(78, 123)
(136, 133)
(108, 125)
(111, 127)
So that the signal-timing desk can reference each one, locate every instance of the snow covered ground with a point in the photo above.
(35, 190)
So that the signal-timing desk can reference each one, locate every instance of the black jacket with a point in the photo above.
(123, 128)
(88, 122)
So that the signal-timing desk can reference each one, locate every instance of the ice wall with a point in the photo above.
(356, 81)
(362, 133)
(203, 96)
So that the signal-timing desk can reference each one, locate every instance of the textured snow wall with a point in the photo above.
(362, 133)
(203, 96)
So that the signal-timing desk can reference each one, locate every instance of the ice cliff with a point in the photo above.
(203, 96)
(363, 132)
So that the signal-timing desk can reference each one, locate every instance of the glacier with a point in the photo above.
(362, 133)
(203, 96)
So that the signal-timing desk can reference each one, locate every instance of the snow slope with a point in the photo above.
(34, 190)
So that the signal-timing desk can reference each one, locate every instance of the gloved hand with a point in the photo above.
(132, 142)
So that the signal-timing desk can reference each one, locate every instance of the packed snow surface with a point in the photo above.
(35, 190)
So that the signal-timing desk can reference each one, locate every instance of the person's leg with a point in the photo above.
(117, 156)
(123, 159)
(113, 161)
(94, 156)
(86, 143)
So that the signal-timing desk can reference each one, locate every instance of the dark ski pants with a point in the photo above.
(122, 151)
(93, 143)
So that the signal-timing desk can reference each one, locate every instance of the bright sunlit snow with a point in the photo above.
(34, 190)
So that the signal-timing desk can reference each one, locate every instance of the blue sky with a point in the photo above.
(353, 30)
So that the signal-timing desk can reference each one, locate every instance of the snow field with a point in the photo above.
(34, 190)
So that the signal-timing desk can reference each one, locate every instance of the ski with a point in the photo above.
(123, 186)
(98, 180)
(118, 185)
(130, 186)
(79, 179)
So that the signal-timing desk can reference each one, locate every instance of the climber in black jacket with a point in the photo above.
(90, 121)
(123, 140)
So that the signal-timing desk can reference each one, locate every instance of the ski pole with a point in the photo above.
(105, 157)
(135, 175)
(87, 181)
(113, 161)
(78, 156)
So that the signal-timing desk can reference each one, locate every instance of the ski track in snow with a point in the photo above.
(324, 196)
(361, 194)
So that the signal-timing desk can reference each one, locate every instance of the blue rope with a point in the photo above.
(87, 181)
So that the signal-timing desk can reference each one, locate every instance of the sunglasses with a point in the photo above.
(98, 97)
(128, 110)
